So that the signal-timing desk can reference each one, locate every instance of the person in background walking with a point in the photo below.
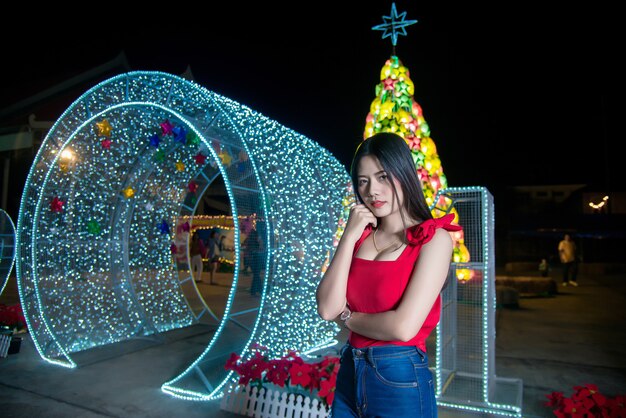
(213, 255)
(567, 255)
(195, 254)
(254, 250)
(544, 267)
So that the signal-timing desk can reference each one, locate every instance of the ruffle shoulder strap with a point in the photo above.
(422, 233)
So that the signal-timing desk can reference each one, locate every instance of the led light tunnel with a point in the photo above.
(102, 203)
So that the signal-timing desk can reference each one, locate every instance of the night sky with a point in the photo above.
(513, 94)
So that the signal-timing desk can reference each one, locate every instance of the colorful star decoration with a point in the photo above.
(104, 128)
(159, 155)
(394, 25)
(106, 143)
(166, 127)
(192, 138)
(154, 140)
(180, 166)
(180, 135)
(192, 186)
(128, 192)
(200, 158)
(93, 227)
(226, 158)
(173, 248)
(56, 204)
(164, 227)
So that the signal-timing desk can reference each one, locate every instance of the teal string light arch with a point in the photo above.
(100, 208)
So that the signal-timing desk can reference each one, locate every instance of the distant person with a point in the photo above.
(567, 255)
(245, 257)
(213, 255)
(544, 267)
(254, 250)
(195, 254)
(222, 244)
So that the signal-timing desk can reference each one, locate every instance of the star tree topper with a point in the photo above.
(394, 25)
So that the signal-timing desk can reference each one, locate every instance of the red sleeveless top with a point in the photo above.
(377, 286)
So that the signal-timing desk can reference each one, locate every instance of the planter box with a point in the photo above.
(274, 402)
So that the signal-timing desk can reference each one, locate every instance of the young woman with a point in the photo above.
(384, 282)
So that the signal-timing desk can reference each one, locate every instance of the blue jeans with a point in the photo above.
(388, 381)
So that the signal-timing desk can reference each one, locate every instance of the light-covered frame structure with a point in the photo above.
(102, 200)
(465, 366)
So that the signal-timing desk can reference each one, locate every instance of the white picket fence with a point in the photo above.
(5, 343)
(270, 403)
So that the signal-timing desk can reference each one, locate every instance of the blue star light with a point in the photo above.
(394, 25)
(154, 141)
(164, 227)
(180, 134)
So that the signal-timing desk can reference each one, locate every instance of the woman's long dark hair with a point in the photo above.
(394, 156)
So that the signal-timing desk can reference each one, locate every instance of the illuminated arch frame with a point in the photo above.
(213, 119)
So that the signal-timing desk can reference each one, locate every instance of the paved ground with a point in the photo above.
(551, 343)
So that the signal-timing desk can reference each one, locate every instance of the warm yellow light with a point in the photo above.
(67, 154)
(599, 205)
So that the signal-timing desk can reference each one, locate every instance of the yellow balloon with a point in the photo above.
(384, 73)
(404, 116)
(375, 106)
(386, 109)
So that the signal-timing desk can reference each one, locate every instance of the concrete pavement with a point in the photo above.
(551, 343)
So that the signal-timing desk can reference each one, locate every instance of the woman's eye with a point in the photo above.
(383, 177)
(362, 182)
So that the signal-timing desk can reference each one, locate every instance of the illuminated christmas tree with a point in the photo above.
(395, 110)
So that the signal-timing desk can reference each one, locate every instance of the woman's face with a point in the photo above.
(375, 188)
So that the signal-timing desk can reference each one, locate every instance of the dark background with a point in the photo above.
(514, 94)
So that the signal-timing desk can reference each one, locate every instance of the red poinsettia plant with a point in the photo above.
(11, 316)
(289, 371)
(587, 401)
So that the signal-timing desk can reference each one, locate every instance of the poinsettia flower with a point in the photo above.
(299, 374)
(554, 399)
(327, 391)
(315, 375)
(574, 408)
(616, 407)
(278, 373)
(231, 363)
(589, 391)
